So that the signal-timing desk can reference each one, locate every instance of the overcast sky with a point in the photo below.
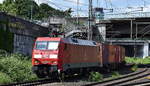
(83, 4)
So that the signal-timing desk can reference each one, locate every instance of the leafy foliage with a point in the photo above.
(16, 68)
(115, 74)
(95, 76)
(9, 6)
(26, 8)
(137, 60)
(134, 68)
(4, 78)
(0, 7)
(45, 11)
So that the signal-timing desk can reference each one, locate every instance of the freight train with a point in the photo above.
(53, 56)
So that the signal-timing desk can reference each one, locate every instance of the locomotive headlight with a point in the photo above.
(54, 56)
(37, 56)
(36, 61)
(54, 62)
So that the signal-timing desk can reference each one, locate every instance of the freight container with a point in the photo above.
(105, 54)
(79, 56)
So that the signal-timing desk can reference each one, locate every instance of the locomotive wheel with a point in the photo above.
(53, 75)
(61, 76)
(40, 75)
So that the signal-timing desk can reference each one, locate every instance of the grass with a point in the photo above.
(115, 74)
(137, 60)
(134, 68)
(15, 68)
(98, 77)
(95, 77)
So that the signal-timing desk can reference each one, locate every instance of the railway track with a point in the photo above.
(123, 80)
(142, 83)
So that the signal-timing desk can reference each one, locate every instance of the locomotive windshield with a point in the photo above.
(53, 45)
(47, 45)
(41, 45)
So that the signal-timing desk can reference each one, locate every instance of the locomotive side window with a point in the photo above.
(41, 45)
(75, 41)
(94, 43)
(53, 45)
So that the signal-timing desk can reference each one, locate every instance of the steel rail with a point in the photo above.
(143, 83)
(122, 79)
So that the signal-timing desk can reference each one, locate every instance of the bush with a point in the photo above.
(134, 68)
(95, 76)
(115, 74)
(17, 67)
(137, 60)
(20, 57)
(3, 53)
(4, 78)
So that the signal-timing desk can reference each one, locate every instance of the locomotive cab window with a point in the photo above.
(53, 45)
(47, 45)
(41, 45)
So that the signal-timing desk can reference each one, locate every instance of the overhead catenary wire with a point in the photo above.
(52, 3)
(76, 2)
(145, 2)
(65, 6)
(106, 4)
(97, 3)
(111, 5)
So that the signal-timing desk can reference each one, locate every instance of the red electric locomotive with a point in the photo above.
(51, 56)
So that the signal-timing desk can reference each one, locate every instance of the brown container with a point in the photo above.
(105, 54)
(112, 54)
(122, 54)
(79, 55)
(118, 54)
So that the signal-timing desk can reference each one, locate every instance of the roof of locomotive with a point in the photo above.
(79, 41)
(68, 40)
(48, 39)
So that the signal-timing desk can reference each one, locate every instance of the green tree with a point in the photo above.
(45, 11)
(26, 7)
(9, 6)
(68, 12)
(29, 8)
(0, 7)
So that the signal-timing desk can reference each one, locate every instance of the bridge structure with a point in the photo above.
(133, 33)
(127, 15)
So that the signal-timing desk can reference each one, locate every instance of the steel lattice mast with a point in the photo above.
(89, 21)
